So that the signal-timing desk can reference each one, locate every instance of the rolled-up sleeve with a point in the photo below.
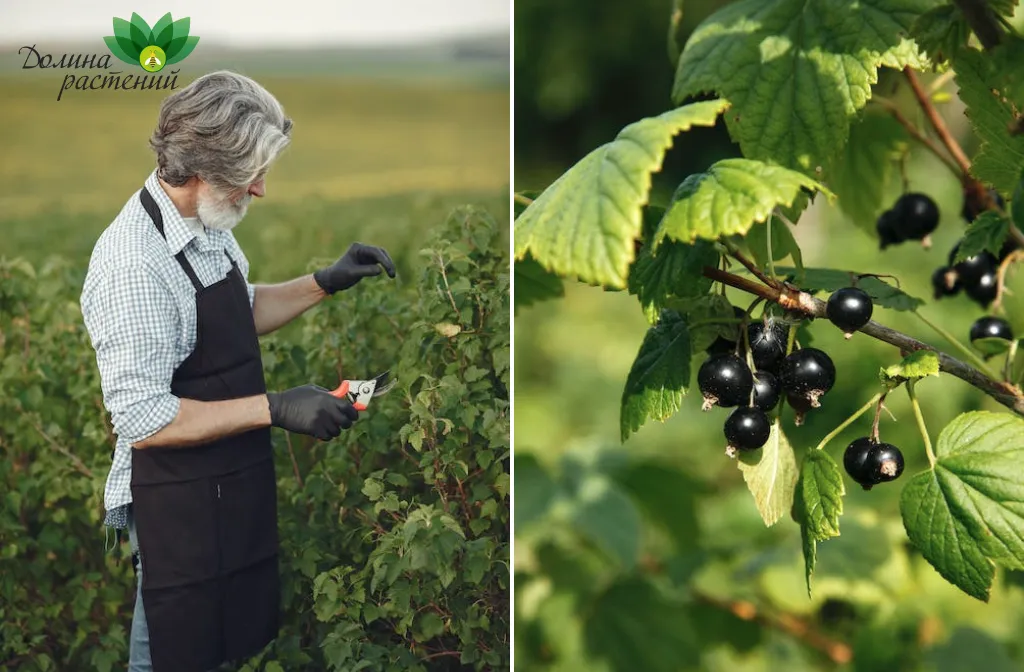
(133, 324)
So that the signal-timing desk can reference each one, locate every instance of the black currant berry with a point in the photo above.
(886, 463)
(916, 216)
(887, 231)
(746, 428)
(944, 283)
(809, 373)
(989, 327)
(855, 460)
(849, 309)
(983, 292)
(970, 270)
(767, 344)
(725, 380)
(766, 390)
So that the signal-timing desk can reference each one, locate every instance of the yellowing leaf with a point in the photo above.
(771, 475)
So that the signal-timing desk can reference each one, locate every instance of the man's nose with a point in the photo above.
(258, 188)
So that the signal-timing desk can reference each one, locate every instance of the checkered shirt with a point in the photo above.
(139, 307)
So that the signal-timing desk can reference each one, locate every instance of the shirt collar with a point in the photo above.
(177, 232)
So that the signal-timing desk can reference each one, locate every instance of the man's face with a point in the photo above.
(222, 210)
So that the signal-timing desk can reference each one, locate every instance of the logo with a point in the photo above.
(164, 44)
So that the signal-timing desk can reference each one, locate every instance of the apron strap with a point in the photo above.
(158, 219)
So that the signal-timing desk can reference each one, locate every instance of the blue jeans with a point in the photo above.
(138, 642)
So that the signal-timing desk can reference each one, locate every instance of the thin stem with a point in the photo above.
(849, 421)
(967, 352)
(749, 265)
(916, 134)
(920, 423)
(1004, 266)
(941, 81)
(878, 417)
(771, 257)
(937, 123)
(525, 200)
(1011, 355)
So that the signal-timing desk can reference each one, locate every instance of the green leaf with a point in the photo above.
(861, 174)
(783, 243)
(535, 490)
(1005, 7)
(534, 284)
(123, 37)
(181, 28)
(607, 516)
(941, 32)
(771, 475)
(163, 32)
(585, 224)
(122, 28)
(674, 270)
(115, 48)
(970, 650)
(709, 317)
(729, 199)
(660, 375)
(807, 541)
(829, 280)
(988, 231)
(666, 495)
(991, 346)
(429, 625)
(796, 71)
(184, 48)
(1017, 206)
(633, 626)
(140, 32)
(821, 493)
(917, 364)
(967, 514)
(1001, 155)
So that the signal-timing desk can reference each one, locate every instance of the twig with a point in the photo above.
(76, 462)
(295, 465)
(838, 652)
(439, 654)
(952, 340)
(795, 300)
(979, 17)
(938, 124)
(750, 265)
(933, 146)
(447, 287)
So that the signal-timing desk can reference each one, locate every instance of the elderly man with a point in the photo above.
(175, 325)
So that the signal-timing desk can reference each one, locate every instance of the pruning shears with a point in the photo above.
(359, 392)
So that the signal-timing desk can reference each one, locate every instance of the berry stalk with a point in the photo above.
(920, 423)
(792, 298)
(938, 124)
(850, 420)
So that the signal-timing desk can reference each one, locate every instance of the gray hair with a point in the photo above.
(223, 128)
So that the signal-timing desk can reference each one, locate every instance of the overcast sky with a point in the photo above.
(232, 22)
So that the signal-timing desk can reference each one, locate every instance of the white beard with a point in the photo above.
(221, 213)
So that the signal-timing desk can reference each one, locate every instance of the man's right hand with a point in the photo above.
(312, 410)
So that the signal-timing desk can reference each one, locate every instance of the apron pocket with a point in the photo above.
(177, 531)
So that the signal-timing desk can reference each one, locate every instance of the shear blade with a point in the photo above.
(384, 383)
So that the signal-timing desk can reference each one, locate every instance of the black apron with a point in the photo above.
(206, 516)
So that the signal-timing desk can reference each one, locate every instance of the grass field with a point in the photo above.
(373, 159)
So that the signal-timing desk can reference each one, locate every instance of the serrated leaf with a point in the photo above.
(534, 284)
(967, 514)
(673, 270)
(771, 475)
(1001, 155)
(917, 364)
(830, 279)
(707, 318)
(729, 199)
(988, 231)
(796, 71)
(1017, 206)
(660, 375)
(586, 223)
(140, 32)
(807, 544)
(783, 243)
(941, 31)
(821, 493)
(862, 172)
(634, 626)
(181, 49)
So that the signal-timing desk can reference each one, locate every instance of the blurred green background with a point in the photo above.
(668, 505)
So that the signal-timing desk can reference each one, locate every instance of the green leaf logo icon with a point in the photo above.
(166, 43)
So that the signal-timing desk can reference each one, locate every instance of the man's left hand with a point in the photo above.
(360, 261)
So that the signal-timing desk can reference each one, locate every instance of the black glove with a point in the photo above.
(312, 410)
(360, 261)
